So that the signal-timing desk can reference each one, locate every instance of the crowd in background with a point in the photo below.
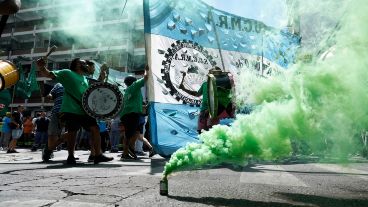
(31, 132)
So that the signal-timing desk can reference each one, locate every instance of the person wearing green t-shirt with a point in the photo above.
(75, 84)
(131, 113)
(224, 102)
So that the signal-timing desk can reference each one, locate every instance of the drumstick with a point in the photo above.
(52, 49)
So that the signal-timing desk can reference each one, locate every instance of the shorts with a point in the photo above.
(55, 126)
(73, 122)
(16, 133)
(132, 124)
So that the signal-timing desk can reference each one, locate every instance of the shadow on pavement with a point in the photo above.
(324, 201)
(216, 201)
(60, 165)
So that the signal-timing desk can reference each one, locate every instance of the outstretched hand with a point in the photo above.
(146, 69)
(41, 63)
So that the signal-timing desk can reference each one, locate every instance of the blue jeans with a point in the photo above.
(40, 138)
(114, 139)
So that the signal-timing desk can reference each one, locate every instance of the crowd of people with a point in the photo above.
(69, 124)
(42, 130)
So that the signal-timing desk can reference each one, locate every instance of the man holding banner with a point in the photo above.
(131, 113)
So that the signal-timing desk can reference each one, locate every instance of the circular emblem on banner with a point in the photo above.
(188, 63)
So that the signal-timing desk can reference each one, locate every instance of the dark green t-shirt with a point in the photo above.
(133, 98)
(203, 90)
(74, 86)
(223, 96)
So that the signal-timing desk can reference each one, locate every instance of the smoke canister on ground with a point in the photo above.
(164, 190)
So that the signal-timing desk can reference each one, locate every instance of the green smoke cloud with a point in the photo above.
(322, 104)
(95, 24)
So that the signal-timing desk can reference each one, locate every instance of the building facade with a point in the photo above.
(102, 30)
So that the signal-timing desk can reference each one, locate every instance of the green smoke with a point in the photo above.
(102, 24)
(322, 104)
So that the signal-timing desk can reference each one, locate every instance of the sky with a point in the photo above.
(271, 12)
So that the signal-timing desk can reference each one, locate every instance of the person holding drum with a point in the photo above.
(224, 103)
(131, 113)
(75, 84)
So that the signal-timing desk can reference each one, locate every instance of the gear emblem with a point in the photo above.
(190, 58)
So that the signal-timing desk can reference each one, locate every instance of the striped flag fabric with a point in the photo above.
(190, 37)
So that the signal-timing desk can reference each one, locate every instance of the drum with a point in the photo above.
(216, 81)
(102, 100)
(9, 6)
(9, 74)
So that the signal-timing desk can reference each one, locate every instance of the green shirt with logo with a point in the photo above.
(74, 86)
(133, 98)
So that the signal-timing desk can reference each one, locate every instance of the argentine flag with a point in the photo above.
(192, 37)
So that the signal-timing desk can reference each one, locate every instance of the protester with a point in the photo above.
(225, 106)
(27, 129)
(142, 139)
(75, 84)
(42, 124)
(131, 112)
(6, 132)
(55, 125)
(115, 132)
(104, 133)
(17, 129)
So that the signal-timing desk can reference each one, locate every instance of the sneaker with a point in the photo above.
(71, 160)
(91, 158)
(47, 154)
(132, 153)
(102, 158)
(126, 157)
(151, 152)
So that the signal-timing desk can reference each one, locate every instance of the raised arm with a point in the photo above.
(104, 73)
(146, 69)
(41, 65)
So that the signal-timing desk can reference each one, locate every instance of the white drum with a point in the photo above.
(102, 100)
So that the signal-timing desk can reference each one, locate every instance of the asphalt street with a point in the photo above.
(26, 181)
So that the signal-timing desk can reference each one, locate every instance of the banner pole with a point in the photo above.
(217, 38)
(13, 96)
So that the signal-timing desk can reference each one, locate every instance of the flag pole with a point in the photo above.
(14, 89)
(217, 38)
